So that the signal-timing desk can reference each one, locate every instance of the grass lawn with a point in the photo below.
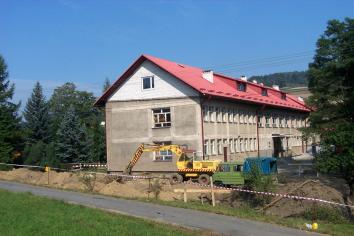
(26, 214)
(341, 228)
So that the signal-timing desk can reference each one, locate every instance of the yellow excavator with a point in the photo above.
(187, 167)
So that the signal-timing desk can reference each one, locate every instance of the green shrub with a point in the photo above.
(328, 214)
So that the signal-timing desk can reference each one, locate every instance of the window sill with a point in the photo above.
(166, 127)
(162, 160)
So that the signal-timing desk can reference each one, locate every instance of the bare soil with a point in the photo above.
(325, 188)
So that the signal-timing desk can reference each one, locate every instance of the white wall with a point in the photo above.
(166, 85)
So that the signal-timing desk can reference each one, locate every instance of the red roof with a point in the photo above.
(222, 86)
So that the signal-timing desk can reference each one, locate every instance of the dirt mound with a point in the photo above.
(287, 207)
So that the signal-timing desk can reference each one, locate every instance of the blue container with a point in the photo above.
(267, 165)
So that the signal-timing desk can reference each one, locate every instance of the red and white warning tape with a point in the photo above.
(294, 197)
(135, 177)
(89, 165)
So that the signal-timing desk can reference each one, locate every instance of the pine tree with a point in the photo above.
(37, 117)
(9, 119)
(72, 143)
(332, 86)
(106, 85)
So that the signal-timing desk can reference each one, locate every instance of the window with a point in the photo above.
(251, 144)
(242, 148)
(235, 116)
(206, 113)
(163, 155)
(225, 168)
(231, 145)
(224, 115)
(219, 146)
(274, 120)
(148, 82)
(283, 96)
(264, 92)
(255, 144)
(206, 147)
(238, 168)
(218, 115)
(212, 114)
(247, 145)
(245, 117)
(162, 117)
(231, 116)
(241, 86)
(267, 119)
(225, 143)
(213, 147)
(237, 149)
(241, 117)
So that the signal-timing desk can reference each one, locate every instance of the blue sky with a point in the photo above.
(86, 41)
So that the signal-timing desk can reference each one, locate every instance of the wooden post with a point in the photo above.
(185, 193)
(48, 175)
(212, 191)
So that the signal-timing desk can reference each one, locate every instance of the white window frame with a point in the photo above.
(167, 114)
(220, 146)
(218, 114)
(213, 147)
(206, 117)
(212, 114)
(151, 80)
(232, 145)
(231, 116)
(241, 117)
(224, 115)
(242, 148)
(237, 147)
(207, 147)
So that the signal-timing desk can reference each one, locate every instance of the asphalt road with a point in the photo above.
(226, 225)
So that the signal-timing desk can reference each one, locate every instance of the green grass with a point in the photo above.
(25, 214)
(341, 227)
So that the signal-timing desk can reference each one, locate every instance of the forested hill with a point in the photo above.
(284, 79)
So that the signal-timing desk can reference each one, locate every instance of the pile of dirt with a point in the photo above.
(291, 207)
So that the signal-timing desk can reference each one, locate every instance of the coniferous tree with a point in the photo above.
(106, 85)
(9, 120)
(72, 142)
(332, 86)
(37, 117)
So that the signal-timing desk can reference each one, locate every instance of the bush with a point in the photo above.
(331, 215)
(255, 180)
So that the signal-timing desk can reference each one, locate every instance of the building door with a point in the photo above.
(277, 147)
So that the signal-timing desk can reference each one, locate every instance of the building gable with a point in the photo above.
(165, 85)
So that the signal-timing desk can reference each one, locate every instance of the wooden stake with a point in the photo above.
(212, 191)
(185, 193)
(48, 176)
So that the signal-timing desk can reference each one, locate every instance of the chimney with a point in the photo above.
(300, 99)
(261, 84)
(208, 75)
(254, 81)
(244, 78)
(276, 87)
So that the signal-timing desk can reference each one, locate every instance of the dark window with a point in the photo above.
(238, 168)
(241, 86)
(148, 82)
(283, 96)
(264, 92)
(225, 168)
(162, 117)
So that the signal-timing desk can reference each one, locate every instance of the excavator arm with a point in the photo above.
(177, 150)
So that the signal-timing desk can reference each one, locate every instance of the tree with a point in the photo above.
(332, 86)
(91, 117)
(37, 117)
(72, 142)
(106, 85)
(10, 133)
